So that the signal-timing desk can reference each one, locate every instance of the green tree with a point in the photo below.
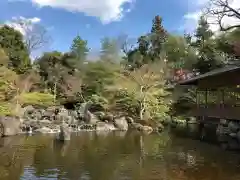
(145, 86)
(79, 48)
(13, 44)
(179, 52)
(209, 57)
(228, 43)
(203, 32)
(97, 76)
(158, 37)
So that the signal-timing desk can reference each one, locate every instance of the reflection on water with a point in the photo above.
(115, 156)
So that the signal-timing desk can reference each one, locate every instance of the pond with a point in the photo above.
(115, 156)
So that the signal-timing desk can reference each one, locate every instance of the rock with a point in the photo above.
(160, 127)
(45, 121)
(73, 113)
(100, 115)
(32, 113)
(37, 114)
(136, 126)
(233, 135)
(222, 130)
(65, 133)
(44, 130)
(108, 117)
(49, 113)
(223, 122)
(121, 124)
(129, 120)
(233, 127)
(101, 126)
(88, 127)
(28, 112)
(146, 129)
(9, 126)
(64, 115)
(90, 118)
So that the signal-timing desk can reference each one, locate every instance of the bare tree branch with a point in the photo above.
(36, 35)
(221, 9)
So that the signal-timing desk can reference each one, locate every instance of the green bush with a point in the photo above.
(99, 102)
(5, 109)
(36, 98)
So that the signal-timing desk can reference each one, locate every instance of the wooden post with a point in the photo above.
(206, 99)
(197, 104)
(223, 103)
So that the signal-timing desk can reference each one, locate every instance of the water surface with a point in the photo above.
(115, 156)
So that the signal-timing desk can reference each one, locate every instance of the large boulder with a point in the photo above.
(29, 112)
(222, 130)
(9, 126)
(100, 115)
(121, 123)
(65, 133)
(90, 118)
(49, 113)
(223, 122)
(233, 127)
(129, 120)
(108, 117)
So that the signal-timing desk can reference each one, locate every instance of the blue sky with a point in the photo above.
(95, 19)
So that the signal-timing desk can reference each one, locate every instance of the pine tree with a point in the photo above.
(79, 48)
(203, 32)
(209, 58)
(158, 37)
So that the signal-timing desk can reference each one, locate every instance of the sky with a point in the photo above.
(95, 19)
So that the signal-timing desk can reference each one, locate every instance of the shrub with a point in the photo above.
(37, 98)
(6, 109)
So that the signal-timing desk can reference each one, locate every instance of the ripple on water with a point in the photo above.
(91, 156)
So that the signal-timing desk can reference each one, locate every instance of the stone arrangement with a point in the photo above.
(228, 133)
(62, 121)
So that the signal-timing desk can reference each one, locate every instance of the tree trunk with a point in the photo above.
(55, 92)
(142, 109)
(142, 104)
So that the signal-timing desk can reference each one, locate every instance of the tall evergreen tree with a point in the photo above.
(208, 56)
(158, 37)
(79, 48)
(203, 32)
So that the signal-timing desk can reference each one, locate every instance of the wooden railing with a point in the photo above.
(217, 111)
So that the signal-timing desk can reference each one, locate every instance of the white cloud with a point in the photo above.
(106, 10)
(191, 18)
(23, 24)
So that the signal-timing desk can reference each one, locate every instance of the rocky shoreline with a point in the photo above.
(52, 119)
(228, 133)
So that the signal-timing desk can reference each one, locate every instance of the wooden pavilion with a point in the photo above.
(217, 94)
